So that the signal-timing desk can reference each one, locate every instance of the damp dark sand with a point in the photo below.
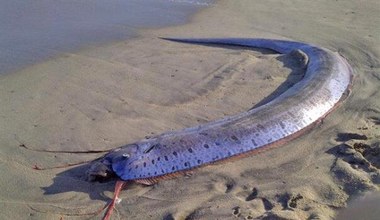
(32, 31)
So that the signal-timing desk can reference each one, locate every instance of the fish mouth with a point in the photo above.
(100, 171)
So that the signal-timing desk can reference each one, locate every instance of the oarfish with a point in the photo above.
(326, 82)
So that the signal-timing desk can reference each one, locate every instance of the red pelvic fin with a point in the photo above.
(120, 184)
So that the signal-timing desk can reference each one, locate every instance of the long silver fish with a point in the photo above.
(325, 84)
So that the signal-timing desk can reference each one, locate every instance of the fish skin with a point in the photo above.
(326, 81)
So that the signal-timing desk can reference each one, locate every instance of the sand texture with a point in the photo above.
(106, 96)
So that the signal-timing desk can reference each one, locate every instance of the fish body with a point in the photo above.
(326, 81)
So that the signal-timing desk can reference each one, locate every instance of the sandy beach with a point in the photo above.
(105, 96)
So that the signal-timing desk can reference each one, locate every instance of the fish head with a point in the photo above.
(101, 169)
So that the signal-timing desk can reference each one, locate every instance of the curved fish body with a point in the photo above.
(325, 83)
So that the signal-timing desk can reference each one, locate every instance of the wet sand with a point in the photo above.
(106, 96)
(34, 31)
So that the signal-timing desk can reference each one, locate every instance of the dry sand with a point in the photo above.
(106, 96)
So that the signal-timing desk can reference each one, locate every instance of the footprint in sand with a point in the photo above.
(224, 184)
(256, 206)
(236, 211)
(253, 195)
(290, 201)
(357, 158)
(370, 152)
(359, 150)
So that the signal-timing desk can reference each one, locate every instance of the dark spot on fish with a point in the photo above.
(158, 158)
(282, 125)
(257, 134)
(175, 153)
(152, 161)
(148, 174)
(164, 146)
(166, 158)
(270, 139)
(163, 171)
(261, 127)
(233, 137)
(137, 166)
(203, 133)
(199, 161)
(254, 142)
(206, 146)
(173, 168)
(129, 170)
(217, 143)
(229, 153)
(144, 164)
(215, 158)
(186, 164)
(190, 150)
(236, 139)
(155, 173)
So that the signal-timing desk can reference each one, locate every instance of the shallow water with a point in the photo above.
(31, 31)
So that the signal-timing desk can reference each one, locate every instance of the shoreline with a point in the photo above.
(107, 96)
(35, 32)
